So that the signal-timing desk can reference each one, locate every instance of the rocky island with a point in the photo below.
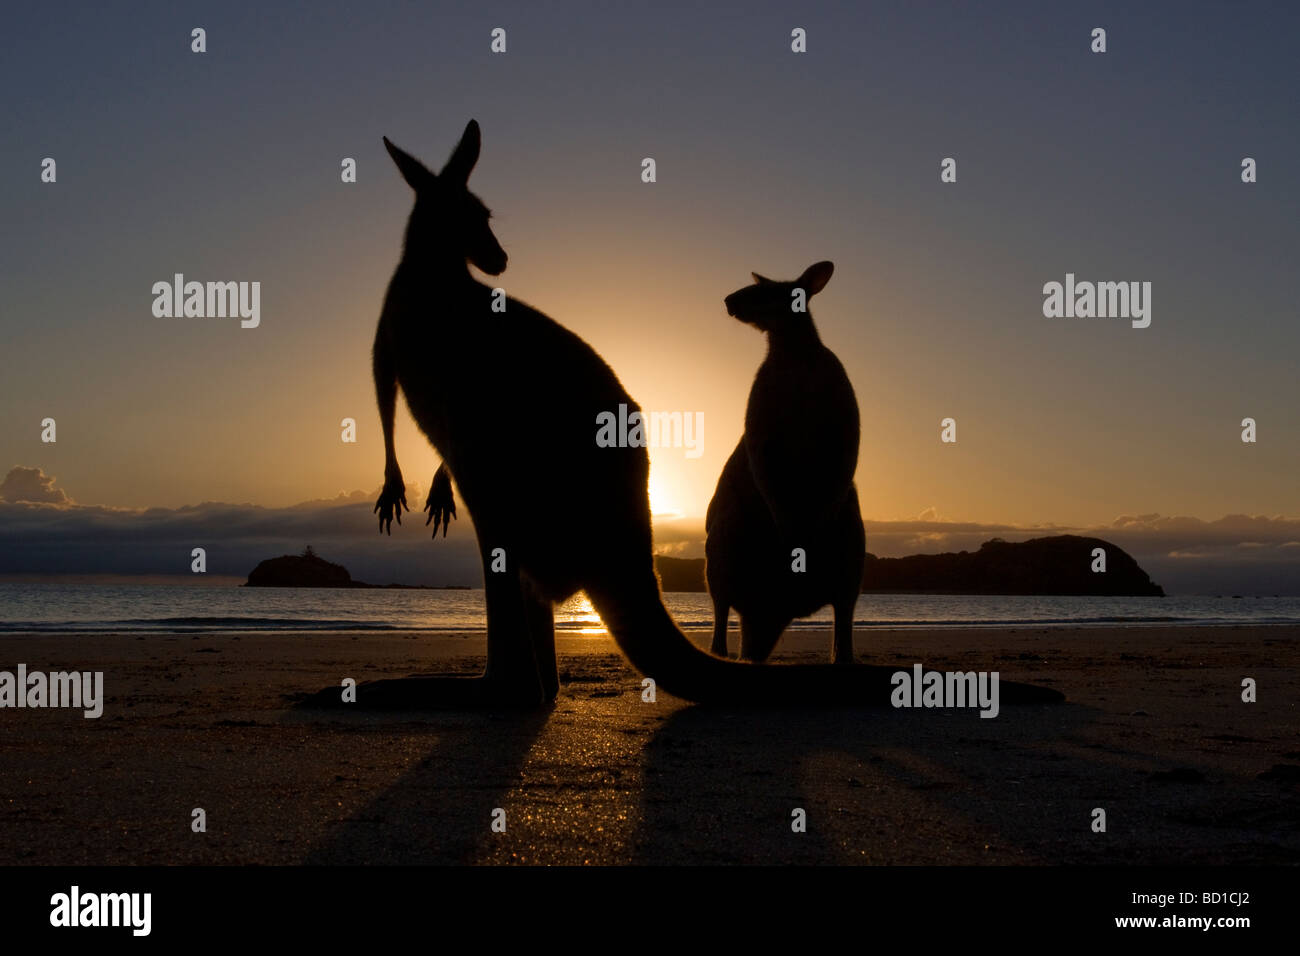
(1061, 564)
(310, 570)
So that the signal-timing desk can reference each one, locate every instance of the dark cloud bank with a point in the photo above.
(43, 532)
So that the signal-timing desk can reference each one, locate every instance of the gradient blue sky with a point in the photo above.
(1122, 166)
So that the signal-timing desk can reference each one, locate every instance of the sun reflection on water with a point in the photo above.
(577, 614)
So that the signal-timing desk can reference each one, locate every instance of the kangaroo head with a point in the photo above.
(771, 306)
(448, 220)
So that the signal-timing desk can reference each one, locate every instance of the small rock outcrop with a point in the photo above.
(306, 570)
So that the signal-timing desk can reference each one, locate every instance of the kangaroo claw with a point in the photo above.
(441, 504)
(391, 502)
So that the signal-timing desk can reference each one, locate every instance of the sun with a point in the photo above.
(661, 501)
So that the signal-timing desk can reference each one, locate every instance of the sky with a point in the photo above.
(225, 165)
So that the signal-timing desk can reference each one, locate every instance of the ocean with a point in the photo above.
(162, 608)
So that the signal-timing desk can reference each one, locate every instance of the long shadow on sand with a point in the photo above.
(932, 787)
(714, 785)
(439, 811)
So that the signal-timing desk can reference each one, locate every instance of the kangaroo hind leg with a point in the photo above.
(539, 615)
(721, 609)
(512, 663)
(758, 636)
(842, 642)
(513, 678)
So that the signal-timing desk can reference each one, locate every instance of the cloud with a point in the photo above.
(79, 540)
(1249, 554)
(1254, 554)
(1151, 533)
(32, 484)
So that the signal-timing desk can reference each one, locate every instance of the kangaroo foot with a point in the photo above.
(432, 693)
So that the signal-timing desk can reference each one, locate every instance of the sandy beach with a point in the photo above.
(1155, 732)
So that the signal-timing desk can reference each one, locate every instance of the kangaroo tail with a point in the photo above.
(654, 644)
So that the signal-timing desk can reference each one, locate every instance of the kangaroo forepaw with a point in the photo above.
(391, 502)
(441, 504)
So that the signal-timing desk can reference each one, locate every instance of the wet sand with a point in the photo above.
(1155, 732)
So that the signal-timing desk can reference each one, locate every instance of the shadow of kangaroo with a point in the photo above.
(505, 397)
(789, 483)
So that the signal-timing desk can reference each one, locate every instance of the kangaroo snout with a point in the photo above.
(494, 264)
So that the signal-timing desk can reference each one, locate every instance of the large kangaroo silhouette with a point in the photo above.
(510, 401)
(789, 483)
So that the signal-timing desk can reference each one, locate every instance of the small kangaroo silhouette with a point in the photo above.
(503, 396)
(789, 483)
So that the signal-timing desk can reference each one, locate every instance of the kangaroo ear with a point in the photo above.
(413, 171)
(761, 280)
(816, 276)
(463, 159)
